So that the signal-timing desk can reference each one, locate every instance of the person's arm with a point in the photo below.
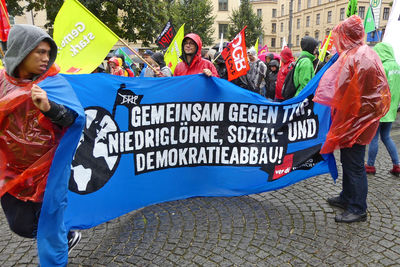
(210, 70)
(58, 114)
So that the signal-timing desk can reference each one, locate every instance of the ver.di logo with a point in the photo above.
(375, 3)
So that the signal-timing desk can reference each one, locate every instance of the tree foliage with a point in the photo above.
(133, 20)
(242, 17)
(197, 16)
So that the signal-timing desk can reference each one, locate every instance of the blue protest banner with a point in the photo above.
(151, 140)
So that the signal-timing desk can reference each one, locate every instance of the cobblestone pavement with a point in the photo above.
(293, 226)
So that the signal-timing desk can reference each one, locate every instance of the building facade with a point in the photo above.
(314, 18)
(222, 10)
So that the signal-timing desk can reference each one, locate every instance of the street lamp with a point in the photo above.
(290, 23)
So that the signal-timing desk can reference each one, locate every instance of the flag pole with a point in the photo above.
(1, 51)
(216, 58)
(138, 55)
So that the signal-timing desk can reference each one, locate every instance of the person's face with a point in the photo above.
(189, 46)
(273, 68)
(267, 59)
(112, 65)
(251, 57)
(36, 62)
(146, 57)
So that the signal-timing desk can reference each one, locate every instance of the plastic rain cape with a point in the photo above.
(355, 88)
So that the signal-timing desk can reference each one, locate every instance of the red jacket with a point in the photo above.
(286, 59)
(198, 63)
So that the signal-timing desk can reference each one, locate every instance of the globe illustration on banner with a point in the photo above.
(92, 166)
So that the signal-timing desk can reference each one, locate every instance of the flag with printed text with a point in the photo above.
(174, 50)
(235, 56)
(83, 40)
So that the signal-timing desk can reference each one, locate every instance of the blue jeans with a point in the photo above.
(355, 183)
(384, 130)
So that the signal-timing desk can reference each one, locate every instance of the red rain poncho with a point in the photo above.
(355, 87)
(28, 140)
(286, 59)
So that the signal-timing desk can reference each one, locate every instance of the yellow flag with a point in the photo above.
(83, 40)
(322, 54)
(256, 46)
(173, 53)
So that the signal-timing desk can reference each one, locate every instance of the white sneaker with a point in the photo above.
(73, 239)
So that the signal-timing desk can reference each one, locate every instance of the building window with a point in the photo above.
(329, 19)
(273, 27)
(308, 3)
(317, 19)
(361, 12)
(282, 9)
(299, 5)
(281, 42)
(319, 2)
(342, 14)
(386, 13)
(274, 12)
(273, 42)
(223, 5)
(298, 23)
(281, 26)
(259, 12)
(316, 35)
(297, 40)
(223, 28)
(308, 21)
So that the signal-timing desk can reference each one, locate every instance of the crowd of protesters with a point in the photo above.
(374, 89)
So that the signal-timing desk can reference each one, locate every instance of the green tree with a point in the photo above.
(133, 20)
(196, 14)
(242, 17)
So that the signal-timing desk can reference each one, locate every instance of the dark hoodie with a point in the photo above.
(22, 40)
(270, 80)
(197, 64)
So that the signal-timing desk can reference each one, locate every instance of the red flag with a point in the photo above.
(330, 42)
(4, 21)
(235, 56)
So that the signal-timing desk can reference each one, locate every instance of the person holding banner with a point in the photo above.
(192, 62)
(356, 89)
(33, 121)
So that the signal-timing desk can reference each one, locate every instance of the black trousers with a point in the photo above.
(355, 183)
(22, 216)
